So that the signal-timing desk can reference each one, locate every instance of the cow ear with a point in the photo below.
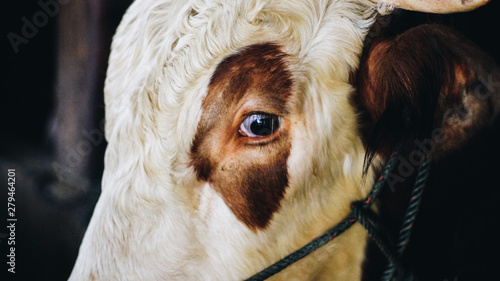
(428, 86)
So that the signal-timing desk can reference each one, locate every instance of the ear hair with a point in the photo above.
(407, 84)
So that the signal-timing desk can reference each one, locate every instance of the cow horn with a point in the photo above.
(434, 6)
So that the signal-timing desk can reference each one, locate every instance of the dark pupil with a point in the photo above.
(264, 126)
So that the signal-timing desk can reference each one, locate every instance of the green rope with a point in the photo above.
(409, 219)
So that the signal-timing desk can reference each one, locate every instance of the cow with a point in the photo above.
(240, 130)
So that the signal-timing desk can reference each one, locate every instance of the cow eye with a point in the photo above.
(259, 125)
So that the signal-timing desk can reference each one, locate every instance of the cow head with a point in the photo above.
(233, 139)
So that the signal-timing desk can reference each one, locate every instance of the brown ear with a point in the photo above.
(427, 87)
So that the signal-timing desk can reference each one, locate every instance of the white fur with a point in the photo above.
(154, 220)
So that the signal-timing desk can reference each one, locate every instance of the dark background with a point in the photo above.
(51, 107)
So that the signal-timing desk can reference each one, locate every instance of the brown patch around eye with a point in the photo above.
(250, 178)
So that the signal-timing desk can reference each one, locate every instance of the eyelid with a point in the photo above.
(250, 113)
